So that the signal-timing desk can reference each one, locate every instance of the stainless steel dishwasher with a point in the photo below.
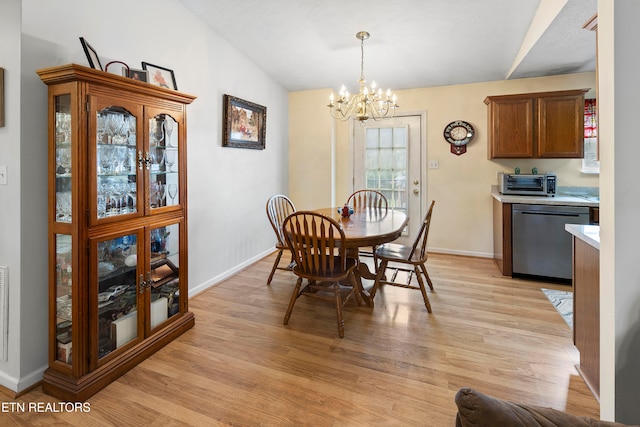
(541, 246)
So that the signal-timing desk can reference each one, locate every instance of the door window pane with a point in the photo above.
(386, 164)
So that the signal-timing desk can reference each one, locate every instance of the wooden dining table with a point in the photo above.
(368, 227)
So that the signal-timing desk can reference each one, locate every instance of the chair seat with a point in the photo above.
(329, 275)
(397, 253)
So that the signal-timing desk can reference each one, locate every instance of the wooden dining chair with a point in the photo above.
(415, 255)
(367, 199)
(375, 201)
(279, 207)
(317, 243)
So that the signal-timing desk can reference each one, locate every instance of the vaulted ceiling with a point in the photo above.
(311, 44)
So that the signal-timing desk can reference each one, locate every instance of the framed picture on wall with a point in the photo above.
(245, 124)
(92, 55)
(160, 76)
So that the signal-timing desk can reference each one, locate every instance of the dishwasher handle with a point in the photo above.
(548, 213)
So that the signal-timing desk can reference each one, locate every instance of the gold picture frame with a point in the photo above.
(1, 97)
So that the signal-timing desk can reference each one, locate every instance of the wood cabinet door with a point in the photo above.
(511, 128)
(560, 126)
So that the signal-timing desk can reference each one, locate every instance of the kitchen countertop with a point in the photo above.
(569, 197)
(590, 234)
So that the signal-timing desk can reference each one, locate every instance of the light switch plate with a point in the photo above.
(434, 164)
(3, 174)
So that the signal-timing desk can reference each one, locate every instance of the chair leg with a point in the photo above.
(375, 258)
(380, 273)
(424, 270)
(356, 284)
(336, 290)
(275, 266)
(294, 296)
(423, 290)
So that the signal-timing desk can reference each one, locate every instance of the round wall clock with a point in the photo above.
(458, 134)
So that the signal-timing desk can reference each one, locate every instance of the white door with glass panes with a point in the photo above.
(387, 158)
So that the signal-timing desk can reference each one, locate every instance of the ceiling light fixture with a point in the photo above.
(367, 103)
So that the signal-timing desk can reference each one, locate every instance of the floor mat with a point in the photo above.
(563, 302)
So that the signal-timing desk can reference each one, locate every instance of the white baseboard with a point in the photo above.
(225, 275)
(18, 385)
(462, 253)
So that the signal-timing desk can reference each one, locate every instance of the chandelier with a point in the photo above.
(367, 103)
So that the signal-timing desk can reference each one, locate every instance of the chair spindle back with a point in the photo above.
(420, 244)
(317, 243)
(371, 199)
(279, 207)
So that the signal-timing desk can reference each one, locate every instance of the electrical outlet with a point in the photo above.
(3, 174)
(434, 164)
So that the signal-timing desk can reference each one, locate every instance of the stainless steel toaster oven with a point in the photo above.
(543, 184)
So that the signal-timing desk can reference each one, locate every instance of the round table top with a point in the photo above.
(369, 227)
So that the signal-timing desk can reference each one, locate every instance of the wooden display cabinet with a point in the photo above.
(117, 226)
(536, 125)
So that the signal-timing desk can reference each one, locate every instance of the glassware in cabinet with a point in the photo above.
(116, 162)
(164, 159)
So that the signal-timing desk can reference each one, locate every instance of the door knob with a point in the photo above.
(416, 191)
(415, 182)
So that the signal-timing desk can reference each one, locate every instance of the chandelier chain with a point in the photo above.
(362, 59)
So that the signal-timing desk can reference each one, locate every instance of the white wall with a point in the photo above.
(619, 91)
(228, 187)
(10, 236)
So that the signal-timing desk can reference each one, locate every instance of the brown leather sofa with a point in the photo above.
(478, 410)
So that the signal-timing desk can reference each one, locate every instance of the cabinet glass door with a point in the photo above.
(164, 160)
(63, 157)
(64, 321)
(164, 280)
(116, 298)
(116, 162)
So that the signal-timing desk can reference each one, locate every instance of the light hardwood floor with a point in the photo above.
(396, 366)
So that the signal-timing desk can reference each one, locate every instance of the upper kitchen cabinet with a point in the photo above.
(536, 125)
